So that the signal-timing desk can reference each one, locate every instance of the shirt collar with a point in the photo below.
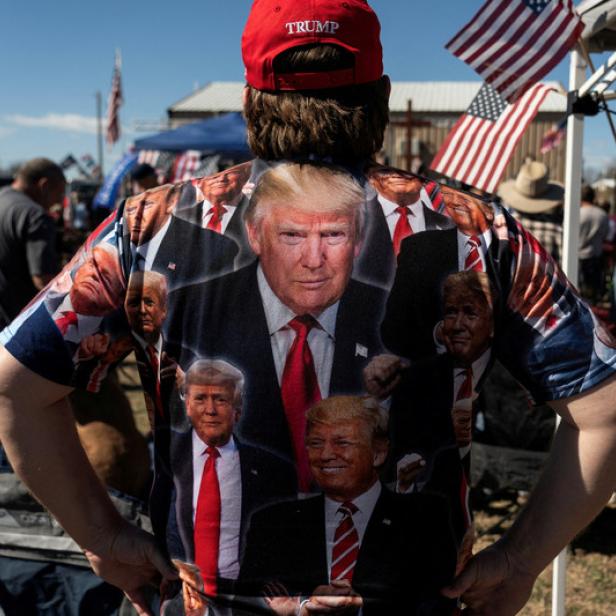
(152, 245)
(158, 345)
(229, 207)
(278, 315)
(226, 451)
(365, 502)
(478, 366)
(389, 207)
(486, 237)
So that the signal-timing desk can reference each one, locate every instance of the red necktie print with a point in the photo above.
(67, 319)
(346, 545)
(207, 523)
(473, 258)
(300, 390)
(403, 228)
(215, 221)
(466, 389)
(153, 357)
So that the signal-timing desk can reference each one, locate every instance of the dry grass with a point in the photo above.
(591, 566)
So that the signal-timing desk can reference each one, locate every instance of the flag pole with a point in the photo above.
(99, 134)
(571, 241)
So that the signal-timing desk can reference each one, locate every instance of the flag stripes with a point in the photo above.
(114, 104)
(482, 141)
(512, 44)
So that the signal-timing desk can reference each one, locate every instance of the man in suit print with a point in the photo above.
(295, 322)
(162, 242)
(401, 207)
(356, 545)
(219, 479)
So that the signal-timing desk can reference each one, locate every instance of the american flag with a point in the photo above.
(115, 102)
(513, 44)
(149, 157)
(554, 137)
(185, 166)
(481, 142)
(161, 161)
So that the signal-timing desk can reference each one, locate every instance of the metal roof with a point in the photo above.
(427, 97)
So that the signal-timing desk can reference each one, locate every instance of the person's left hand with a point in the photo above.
(279, 600)
(335, 598)
(130, 559)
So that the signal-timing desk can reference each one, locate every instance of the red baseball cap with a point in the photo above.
(277, 25)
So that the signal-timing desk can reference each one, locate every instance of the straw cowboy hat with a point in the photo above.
(532, 191)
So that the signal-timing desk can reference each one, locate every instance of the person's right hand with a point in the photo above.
(491, 584)
(130, 559)
(407, 469)
(383, 374)
(93, 346)
(335, 598)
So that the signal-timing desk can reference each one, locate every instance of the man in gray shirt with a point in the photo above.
(28, 259)
(594, 227)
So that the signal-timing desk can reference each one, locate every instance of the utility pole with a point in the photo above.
(99, 133)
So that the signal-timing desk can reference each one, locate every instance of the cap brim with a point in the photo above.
(553, 196)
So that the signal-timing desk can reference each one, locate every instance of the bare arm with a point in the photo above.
(38, 432)
(577, 481)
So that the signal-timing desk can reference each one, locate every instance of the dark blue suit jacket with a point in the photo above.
(407, 554)
(189, 254)
(376, 263)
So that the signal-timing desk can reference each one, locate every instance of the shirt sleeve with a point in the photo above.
(549, 337)
(75, 330)
(40, 236)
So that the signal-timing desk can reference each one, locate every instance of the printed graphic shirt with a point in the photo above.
(200, 326)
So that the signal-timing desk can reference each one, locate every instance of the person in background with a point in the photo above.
(79, 216)
(143, 177)
(28, 258)
(594, 229)
(536, 201)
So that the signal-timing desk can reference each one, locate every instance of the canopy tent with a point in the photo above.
(225, 134)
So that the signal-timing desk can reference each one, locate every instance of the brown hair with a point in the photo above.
(343, 123)
(342, 409)
(33, 170)
(588, 193)
(475, 283)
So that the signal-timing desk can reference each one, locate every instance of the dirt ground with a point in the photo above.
(591, 569)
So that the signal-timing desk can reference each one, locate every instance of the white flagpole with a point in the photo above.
(571, 240)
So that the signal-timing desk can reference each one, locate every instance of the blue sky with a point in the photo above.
(54, 56)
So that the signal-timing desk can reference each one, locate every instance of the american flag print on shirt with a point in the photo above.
(482, 141)
(512, 44)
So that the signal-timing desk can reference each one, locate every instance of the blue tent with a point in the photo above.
(225, 134)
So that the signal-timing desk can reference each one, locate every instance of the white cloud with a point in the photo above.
(71, 122)
(5, 131)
